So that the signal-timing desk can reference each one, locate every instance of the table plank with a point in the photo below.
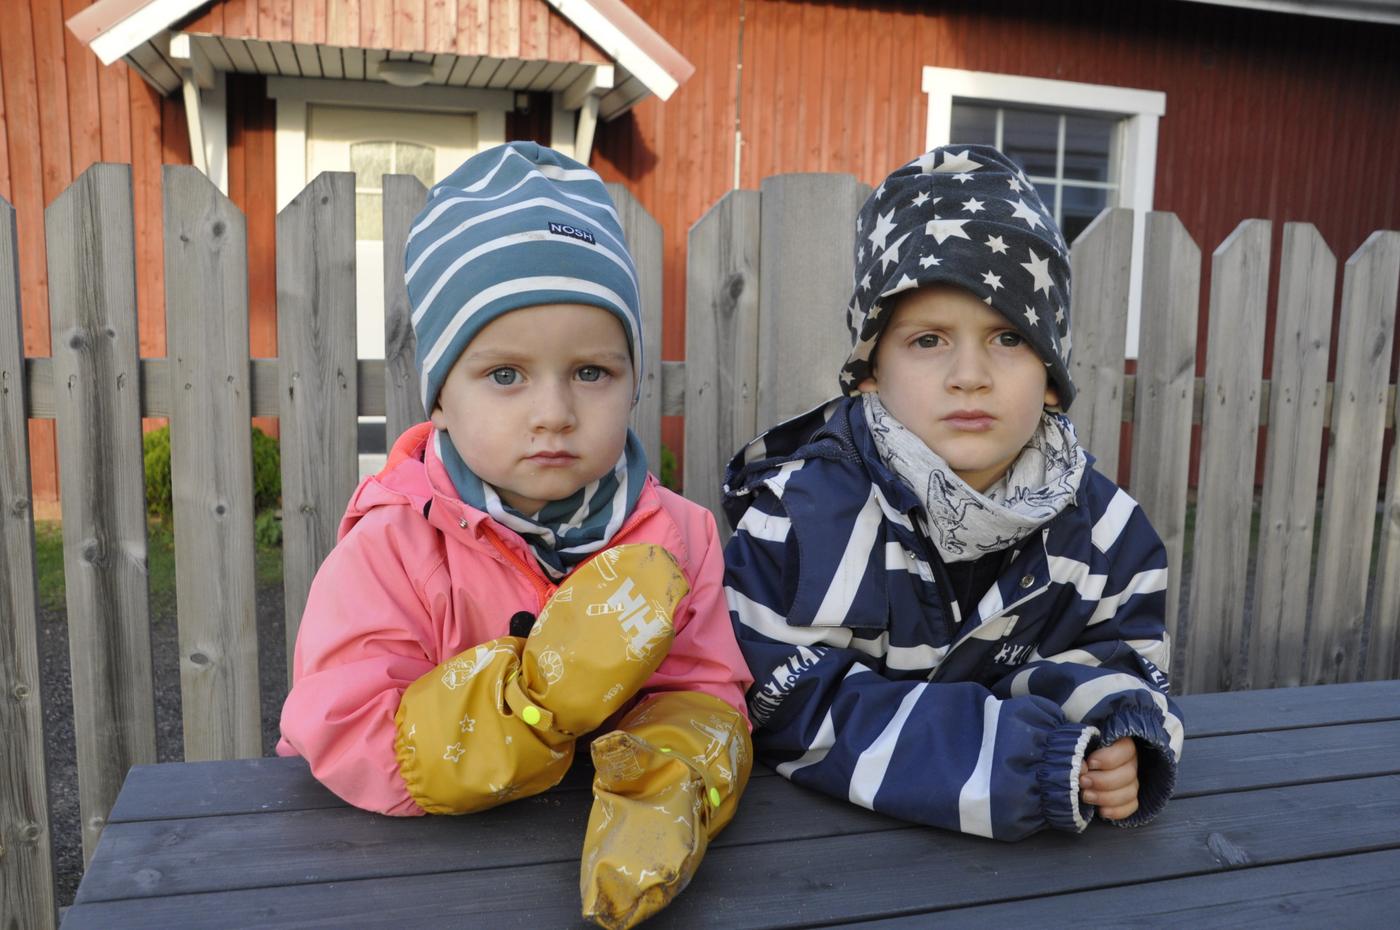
(1286, 708)
(202, 789)
(180, 791)
(177, 791)
(787, 883)
(152, 857)
(183, 790)
(1214, 764)
(184, 856)
(1348, 891)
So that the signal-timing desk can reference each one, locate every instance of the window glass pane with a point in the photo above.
(1079, 207)
(974, 124)
(1088, 145)
(370, 161)
(369, 217)
(1030, 138)
(416, 160)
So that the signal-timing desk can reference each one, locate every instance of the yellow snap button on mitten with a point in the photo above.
(714, 797)
(530, 715)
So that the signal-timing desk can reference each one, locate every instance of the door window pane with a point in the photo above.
(371, 161)
(416, 160)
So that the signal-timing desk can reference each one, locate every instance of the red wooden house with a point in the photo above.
(1218, 111)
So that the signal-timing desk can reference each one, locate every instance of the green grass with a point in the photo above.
(160, 564)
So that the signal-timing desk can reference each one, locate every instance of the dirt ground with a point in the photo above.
(58, 714)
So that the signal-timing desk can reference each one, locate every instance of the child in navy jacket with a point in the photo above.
(950, 616)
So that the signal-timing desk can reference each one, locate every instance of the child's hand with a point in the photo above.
(1109, 779)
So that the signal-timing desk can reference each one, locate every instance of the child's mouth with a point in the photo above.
(974, 421)
(552, 458)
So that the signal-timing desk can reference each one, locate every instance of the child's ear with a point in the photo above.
(1052, 396)
(438, 418)
(867, 386)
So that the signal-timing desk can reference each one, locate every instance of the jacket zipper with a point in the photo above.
(543, 589)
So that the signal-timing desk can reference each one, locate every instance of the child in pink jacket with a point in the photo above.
(515, 579)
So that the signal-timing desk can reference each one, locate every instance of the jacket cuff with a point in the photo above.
(1058, 776)
(1156, 762)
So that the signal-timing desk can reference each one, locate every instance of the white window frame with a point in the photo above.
(1137, 150)
(293, 95)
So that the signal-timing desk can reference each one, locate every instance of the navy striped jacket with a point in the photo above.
(870, 686)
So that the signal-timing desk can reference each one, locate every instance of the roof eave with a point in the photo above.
(115, 28)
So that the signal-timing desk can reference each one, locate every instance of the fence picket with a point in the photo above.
(806, 228)
(404, 196)
(721, 344)
(1364, 340)
(1288, 504)
(1239, 299)
(1165, 388)
(26, 868)
(316, 339)
(92, 305)
(211, 467)
(644, 241)
(1100, 262)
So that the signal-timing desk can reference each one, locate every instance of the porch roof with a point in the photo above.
(587, 47)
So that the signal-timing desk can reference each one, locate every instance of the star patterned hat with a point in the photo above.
(962, 215)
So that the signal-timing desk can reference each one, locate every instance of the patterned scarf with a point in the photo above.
(963, 524)
(565, 532)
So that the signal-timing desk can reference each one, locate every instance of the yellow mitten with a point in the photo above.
(498, 721)
(668, 779)
(599, 638)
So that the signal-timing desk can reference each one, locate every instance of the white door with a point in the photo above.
(373, 143)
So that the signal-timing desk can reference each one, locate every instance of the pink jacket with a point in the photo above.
(401, 593)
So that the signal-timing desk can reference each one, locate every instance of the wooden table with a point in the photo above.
(1287, 813)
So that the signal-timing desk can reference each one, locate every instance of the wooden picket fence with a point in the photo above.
(767, 276)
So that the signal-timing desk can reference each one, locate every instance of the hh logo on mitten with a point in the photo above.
(600, 637)
(498, 721)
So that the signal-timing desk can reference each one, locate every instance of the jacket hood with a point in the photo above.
(835, 431)
(413, 476)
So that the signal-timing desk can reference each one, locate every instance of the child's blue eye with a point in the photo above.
(591, 373)
(504, 376)
(1010, 339)
(928, 341)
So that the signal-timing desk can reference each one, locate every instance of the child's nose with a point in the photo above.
(553, 409)
(971, 369)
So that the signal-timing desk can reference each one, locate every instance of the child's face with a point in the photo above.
(537, 405)
(957, 374)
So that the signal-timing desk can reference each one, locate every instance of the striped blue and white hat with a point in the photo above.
(515, 226)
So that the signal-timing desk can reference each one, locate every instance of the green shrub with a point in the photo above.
(155, 447)
(668, 469)
(267, 529)
(267, 473)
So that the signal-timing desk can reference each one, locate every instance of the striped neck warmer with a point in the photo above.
(963, 524)
(568, 532)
